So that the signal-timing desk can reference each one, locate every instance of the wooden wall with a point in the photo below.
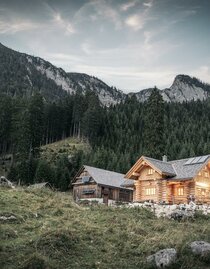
(80, 190)
(202, 185)
(148, 186)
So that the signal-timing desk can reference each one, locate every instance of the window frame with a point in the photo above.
(150, 171)
(180, 191)
(150, 191)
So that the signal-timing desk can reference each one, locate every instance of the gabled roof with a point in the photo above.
(185, 171)
(177, 169)
(105, 177)
(163, 167)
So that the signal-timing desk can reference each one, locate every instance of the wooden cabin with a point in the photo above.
(173, 182)
(92, 183)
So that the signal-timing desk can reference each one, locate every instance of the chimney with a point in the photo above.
(165, 158)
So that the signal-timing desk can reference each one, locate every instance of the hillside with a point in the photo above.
(48, 230)
(22, 74)
(69, 147)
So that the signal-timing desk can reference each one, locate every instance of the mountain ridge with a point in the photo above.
(183, 89)
(21, 74)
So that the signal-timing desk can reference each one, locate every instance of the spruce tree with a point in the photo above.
(154, 126)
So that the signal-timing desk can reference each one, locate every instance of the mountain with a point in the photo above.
(184, 88)
(21, 74)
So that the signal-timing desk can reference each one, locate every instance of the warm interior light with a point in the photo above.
(201, 184)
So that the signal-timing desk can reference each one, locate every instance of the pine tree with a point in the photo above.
(154, 125)
(44, 172)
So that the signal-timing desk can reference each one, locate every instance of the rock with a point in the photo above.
(200, 248)
(8, 218)
(162, 258)
(181, 214)
(5, 182)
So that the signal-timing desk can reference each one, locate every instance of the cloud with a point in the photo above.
(136, 22)
(128, 5)
(136, 78)
(86, 48)
(203, 73)
(62, 57)
(17, 25)
(148, 4)
(63, 23)
(99, 10)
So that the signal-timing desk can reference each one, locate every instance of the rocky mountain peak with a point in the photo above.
(22, 74)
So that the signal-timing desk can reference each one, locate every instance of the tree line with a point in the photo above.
(118, 135)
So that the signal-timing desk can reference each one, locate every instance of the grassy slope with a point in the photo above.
(53, 232)
(68, 146)
(51, 152)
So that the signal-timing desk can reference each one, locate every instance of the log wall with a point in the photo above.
(202, 185)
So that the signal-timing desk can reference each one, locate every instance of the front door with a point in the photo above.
(105, 195)
(171, 194)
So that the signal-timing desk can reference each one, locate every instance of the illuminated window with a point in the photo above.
(206, 174)
(203, 192)
(150, 171)
(180, 191)
(150, 191)
(199, 173)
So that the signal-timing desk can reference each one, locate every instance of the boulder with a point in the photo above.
(5, 182)
(180, 214)
(200, 248)
(162, 258)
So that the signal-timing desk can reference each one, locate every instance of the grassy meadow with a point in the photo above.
(51, 231)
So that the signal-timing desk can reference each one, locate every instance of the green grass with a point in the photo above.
(51, 231)
(68, 146)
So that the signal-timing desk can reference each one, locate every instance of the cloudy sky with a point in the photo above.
(130, 44)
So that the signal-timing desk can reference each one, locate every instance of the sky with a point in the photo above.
(129, 44)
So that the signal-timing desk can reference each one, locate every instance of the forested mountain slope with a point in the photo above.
(117, 134)
(22, 74)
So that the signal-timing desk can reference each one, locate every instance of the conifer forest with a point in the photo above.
(118, 135)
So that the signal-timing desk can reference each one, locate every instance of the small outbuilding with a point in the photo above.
(91, 183)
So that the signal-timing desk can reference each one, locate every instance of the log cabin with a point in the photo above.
(91, 183)
(171, 182)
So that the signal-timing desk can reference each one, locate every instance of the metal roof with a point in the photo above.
(180, 169)
(105, 177)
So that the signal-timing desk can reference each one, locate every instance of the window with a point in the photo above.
(150, 191)
(150, 171)
(180, 191)
(88, 191)
(203, 192)
(206, 174)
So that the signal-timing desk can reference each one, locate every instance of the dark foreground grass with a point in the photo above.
(51, 231)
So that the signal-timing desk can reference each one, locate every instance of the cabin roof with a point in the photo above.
(105, 177)
(164, 167)
(176, 169)
(128, 183)
(185, 169)
(180, 169)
